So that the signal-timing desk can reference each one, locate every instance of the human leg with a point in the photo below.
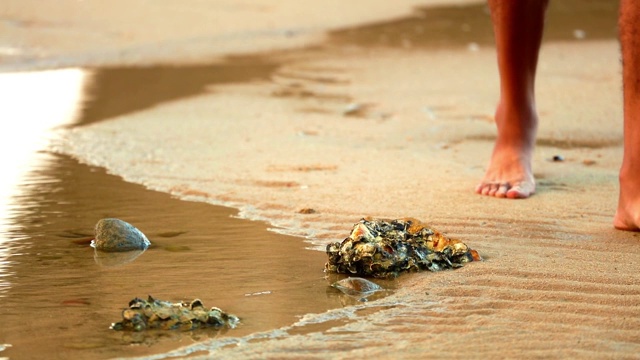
(518, 27)
(628, 214)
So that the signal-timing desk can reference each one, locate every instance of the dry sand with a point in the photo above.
(351, 129)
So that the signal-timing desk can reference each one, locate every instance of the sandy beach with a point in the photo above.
(369, 109)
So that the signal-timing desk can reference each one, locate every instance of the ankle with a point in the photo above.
(517, 127)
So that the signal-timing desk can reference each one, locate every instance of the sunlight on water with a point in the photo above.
(33, 103)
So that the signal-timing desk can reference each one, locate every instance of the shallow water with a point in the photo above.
(55, 289)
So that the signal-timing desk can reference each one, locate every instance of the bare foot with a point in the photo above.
(509, 174)
(628, 214)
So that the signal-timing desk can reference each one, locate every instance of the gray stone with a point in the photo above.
(117, 235)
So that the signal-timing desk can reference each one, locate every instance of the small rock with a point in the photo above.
(357, 287)
(307, 211)
(557, 158)
(352, 109)
(588, 162)
(117, 235)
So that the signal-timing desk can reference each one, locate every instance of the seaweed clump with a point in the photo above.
(384, 248)
(157, 314)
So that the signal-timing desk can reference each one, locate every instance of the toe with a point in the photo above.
(520, 191)
(502, 190)
(494, 189)
(486, 190)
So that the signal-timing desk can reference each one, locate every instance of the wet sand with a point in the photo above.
(373, 121)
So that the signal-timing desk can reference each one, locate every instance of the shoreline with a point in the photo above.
(310, 114)
(551, 261)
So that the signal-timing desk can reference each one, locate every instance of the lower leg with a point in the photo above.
(518, 27)
(628, 214)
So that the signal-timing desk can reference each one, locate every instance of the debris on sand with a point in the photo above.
(157, 314)
(384, 248)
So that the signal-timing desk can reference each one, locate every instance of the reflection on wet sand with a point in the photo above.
(26, 125)
(116, 91)
(109, 259)
(33, 104)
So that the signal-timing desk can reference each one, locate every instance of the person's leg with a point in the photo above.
(628, 214)
(518, 27)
